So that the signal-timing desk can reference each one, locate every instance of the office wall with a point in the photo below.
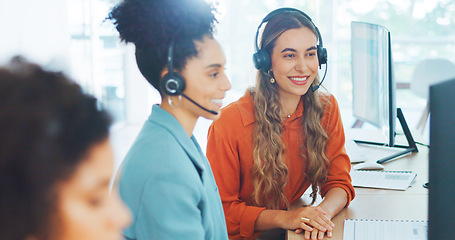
(35, 29)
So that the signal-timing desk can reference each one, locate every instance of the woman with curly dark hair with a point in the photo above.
(166, 179)
(56, 161)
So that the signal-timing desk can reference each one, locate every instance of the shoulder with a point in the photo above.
(155, 149)
(240, 112)
(153, 139)
(327, 99)
(156, 163)
(328, 102)
(331, 119)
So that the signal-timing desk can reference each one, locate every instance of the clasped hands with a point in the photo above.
(311, 220)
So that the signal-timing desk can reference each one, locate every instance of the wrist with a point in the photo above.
(329, 214)
(281, 219)
(270, 219)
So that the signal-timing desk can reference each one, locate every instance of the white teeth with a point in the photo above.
(217, 101)
(299, 79)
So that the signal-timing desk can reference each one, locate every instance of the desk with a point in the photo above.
(378, 204)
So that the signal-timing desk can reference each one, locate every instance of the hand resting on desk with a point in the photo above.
(313, 220)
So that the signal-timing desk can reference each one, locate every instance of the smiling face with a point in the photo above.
(206, 81)
(295, 62)
(86, 209)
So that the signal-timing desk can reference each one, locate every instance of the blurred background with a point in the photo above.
(72, 36)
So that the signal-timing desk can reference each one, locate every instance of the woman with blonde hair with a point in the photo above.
(282, 137)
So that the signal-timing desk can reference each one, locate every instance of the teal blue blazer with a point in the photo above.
(168, 184)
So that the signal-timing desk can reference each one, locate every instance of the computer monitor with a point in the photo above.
(372, 77)
(373, 84)
(441, 196)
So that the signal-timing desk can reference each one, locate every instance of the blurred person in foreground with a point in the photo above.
(55, 160)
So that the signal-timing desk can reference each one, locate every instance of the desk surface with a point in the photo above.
(378, 204)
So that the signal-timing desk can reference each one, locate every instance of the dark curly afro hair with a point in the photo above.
(153, 24)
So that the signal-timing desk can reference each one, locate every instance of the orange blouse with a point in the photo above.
(230, 152)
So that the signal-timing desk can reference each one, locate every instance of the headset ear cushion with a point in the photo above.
(322, 55)
(172, 83)
(261, 60)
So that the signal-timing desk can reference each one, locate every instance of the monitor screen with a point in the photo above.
(441, 196)
(373, 86)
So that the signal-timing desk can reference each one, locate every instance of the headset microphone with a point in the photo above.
(195, 103)
(173, 83)
(314, 88)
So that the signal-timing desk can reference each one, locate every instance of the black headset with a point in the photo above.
(172, 83)
(261, 58)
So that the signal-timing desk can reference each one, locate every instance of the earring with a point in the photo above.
(169, 100)
(272, 80)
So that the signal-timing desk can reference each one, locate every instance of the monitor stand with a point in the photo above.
(412, 147)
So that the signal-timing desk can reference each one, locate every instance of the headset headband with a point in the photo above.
(170, 65)
(284, 10)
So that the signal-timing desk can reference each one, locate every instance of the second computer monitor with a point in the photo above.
(441, 215)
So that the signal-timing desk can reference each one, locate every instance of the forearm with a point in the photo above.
(269, 219)
(334, 201)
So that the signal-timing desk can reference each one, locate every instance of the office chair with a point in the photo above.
(426, 73)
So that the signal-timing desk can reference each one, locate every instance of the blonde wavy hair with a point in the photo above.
(269, 172)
